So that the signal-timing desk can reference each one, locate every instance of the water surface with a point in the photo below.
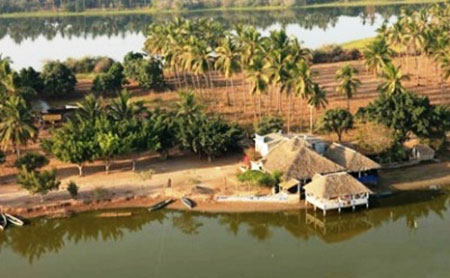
(402, 236)
(31, 41)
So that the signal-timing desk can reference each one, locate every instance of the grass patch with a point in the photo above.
(259, 178)
(357, 44)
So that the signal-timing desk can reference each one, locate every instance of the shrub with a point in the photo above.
(260, 178)
(111, 81)
(29, 78)
(73, 188)
(2, 157)
(146, 174)
(269, 124)
(32, 161)
(58, 79)
(38, 182)
(335, 53)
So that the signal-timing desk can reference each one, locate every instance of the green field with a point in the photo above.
(97, 12)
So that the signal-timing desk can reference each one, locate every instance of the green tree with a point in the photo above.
(58, 79)
(317, 99)
(17, 124)
(406, 114)
(348, 84)
(73, 143)
(336, 120)
(269, 124)
(377, 55)
(32, 161)
(228, 62)
(210, 137)
(111, 81)
(38, 182)
(392, 80)
(29, 78)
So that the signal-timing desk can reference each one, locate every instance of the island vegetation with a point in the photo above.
(238, 70)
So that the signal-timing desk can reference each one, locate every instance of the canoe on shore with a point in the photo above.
(14, 220)
(160, 205)
(188, 202)
(3, 222)
(114, 214)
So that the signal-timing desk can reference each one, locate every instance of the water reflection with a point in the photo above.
(50, 236)
(20, 29)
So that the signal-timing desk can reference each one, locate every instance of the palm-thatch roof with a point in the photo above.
(350, 159)
(335, 185)
(296, 160)
(424, 150)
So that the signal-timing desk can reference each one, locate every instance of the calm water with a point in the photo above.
(402, 236)
(30, 41)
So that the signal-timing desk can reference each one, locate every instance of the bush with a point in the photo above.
(335, 53)
(73, 188)
(111, 81)
(29, 78)
(2, 157)
(38, 182)
(32, 161)
(58, 79)
(260, 178)
(148, 73)
(269, 124)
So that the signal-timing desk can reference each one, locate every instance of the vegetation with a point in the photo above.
(260, 178)
(148, 73)
(406, 114)
(348, 84)
(73, 189)
(269, 124)
(111, 81)
(335, 53)
(31, 178)
(32, 161)
(58, 79)
(338, 121)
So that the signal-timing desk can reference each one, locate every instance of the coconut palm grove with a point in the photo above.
(245, 123)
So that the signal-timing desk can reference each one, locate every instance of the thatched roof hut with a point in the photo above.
(350, 159)
(335, 186)
(298, 161)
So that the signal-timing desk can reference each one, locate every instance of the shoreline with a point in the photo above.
(150, 11)
(71, 207)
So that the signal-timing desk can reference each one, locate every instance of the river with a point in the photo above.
(405, 235)
(32, 41)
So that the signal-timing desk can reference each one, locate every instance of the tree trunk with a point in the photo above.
(289, 114)
(107, 166)
(310, 120)
(233, 92)
(259, 107)
(80, 170)
(348, 104)
(417, 69)
(227, 93)
(133, 165)
(41, 196)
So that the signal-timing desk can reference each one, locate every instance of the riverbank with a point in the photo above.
(59, 204)
(100, 12)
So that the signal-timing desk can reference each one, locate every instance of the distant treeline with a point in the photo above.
(11, 6)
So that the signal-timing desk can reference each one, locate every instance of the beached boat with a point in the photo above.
(160, 205)
(188, 202)
(14, 220)
(3, 222)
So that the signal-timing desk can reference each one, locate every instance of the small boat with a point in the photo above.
(3, 222)
(14, 220)
(188, 202)
(160, 205)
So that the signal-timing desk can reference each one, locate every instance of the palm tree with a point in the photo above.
(392, 80)
(16, 127)
(90, 108)
(317, 99)
(258, 79)
(377, 55)
(300, 80)
(123, 108)
(348, 84)
(228, 61)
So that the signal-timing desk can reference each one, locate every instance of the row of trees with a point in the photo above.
(277, 64)
(419, 34)
(103, 131)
